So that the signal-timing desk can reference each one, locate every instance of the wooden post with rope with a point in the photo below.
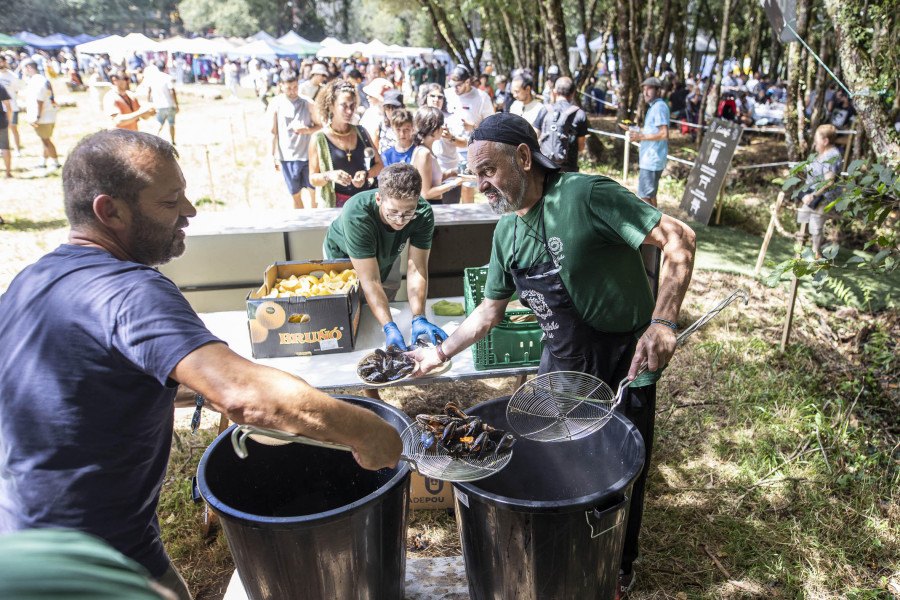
(789, 318)
(212, 189)
(769, 232)
(233, 145)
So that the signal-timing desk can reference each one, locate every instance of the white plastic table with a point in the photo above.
(330, 372)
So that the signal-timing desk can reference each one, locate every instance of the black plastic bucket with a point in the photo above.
(552, 523)
(309, 522)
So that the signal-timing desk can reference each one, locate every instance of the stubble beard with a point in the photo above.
(154, 244)
(518, 186)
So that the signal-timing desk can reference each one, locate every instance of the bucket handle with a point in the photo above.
(195, 491)
(596, 515)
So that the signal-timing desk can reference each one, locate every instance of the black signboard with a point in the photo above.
(781, 13)
(708, 175)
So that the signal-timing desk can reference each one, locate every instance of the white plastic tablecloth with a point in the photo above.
(330, 372)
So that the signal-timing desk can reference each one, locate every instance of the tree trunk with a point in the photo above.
(774, 55)
(626, 69)
(756, 20)
(694, 67)
(646, 45)
(858, 76)
(662, 48)
(679, 42)
(818, 109)
(556, 29)
(712, 101)
(510, 39)
(794, 119)
(443, 28)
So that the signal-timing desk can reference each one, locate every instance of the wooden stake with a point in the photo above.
(627, 154)
(212, 189)
(721, 201)
(769, 232)
(244, 115)
(233, 146)
(849, 146)
(789, 319)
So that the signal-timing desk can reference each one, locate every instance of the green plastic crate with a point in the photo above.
(508, 344)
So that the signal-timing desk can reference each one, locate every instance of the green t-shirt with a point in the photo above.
(417, 75)
(594, 228)
(55, 564)
(359, 232)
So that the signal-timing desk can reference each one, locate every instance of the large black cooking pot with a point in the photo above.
(309, 522)
(551, 524)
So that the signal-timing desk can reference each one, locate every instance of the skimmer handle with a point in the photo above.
(685, 334)
(240, 434)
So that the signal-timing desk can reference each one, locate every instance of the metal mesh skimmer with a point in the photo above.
(560, 406)
(567, 405)
(435, 462)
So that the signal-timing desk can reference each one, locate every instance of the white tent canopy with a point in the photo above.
(395, 51)
(199, 46)
(376, 48)
(138, 42)
(119, 47)
(340, 50)
(262, 35)
(106, 45)
(292, 38)
(261, 49)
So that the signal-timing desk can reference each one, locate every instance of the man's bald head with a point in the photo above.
(564, 87)
(117, 162)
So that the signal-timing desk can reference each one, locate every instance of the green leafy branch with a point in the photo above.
(869, 198)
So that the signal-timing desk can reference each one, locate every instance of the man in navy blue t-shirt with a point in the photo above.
(95, 342)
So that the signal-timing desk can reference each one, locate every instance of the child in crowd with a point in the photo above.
(402, 150)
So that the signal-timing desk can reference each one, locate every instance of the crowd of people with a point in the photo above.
(384, 142)
(753, 100)
(334, 125)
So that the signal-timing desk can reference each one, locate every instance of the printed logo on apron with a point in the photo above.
(536, 302)
(555, 248)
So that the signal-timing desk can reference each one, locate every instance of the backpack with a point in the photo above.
(557, 137)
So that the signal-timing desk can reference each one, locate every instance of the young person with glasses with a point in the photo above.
(372, 231)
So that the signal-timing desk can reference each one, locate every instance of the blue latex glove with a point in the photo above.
(393, 337)
(421, 326)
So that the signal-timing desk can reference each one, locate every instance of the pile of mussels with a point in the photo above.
(463, 436)
(383, 366)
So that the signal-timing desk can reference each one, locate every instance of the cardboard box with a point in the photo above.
(429, 493)
(300, 326)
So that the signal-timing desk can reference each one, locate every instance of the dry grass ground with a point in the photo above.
(775, 475)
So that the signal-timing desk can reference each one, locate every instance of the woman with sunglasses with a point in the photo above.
(342, 158)
(445, 147)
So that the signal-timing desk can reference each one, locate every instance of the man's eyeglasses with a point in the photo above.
(399, 217)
